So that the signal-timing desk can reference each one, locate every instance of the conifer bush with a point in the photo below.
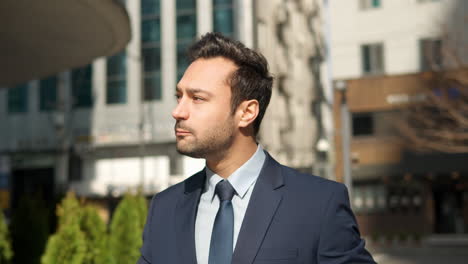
(95, 231)
(5, 247)
(68, 244)
(127, 228)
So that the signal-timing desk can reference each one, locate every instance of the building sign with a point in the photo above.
(27, 161)
(405, 98)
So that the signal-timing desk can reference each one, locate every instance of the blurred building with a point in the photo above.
(295, 130)
(107, 127)
(379, 53)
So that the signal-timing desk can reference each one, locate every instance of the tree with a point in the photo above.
(68, 244)
(5, 248)
(440, 121)
(127, 228)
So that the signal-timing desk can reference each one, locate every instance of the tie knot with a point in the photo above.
(224, 190)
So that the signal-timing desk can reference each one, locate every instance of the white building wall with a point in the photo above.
(398, 24)
(122, 174)
(37, 130)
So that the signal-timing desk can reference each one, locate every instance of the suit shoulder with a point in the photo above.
(294, 176)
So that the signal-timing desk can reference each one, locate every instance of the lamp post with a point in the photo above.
(345, 136)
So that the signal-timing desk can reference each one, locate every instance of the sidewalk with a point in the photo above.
(421, 255)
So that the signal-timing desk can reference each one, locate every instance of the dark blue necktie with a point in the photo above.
(223, 228)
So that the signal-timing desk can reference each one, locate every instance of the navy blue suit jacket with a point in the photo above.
(291, 218)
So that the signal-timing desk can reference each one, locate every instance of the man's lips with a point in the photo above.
(182, 132)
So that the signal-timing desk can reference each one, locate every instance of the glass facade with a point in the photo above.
(152, 86)
(116, 79)
(151, 30)
(223, 17)
(151, 49)
(18, 99)
(186, 31)
(48, 94)
(82, 87)
(150, 7)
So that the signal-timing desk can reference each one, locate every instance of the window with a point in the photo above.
(18, 99)
(223, 17)
(363, 124)
(48, 94)
(152, 86)
(82, 86)
(372, 58)
(430, 54)
(427, 1)
(116, 79)
(151, 49)
(369, 4)
(370, 198)
(186, 31)
(150, 7)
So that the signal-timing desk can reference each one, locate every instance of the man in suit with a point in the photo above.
(244, 207)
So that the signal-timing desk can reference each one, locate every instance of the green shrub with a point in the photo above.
(127, 228)
(95, 231)
(5, 247)
(68, 244)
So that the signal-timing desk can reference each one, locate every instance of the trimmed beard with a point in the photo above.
(214, 143)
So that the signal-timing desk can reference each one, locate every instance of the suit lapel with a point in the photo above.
(264, 202)
(185, 215)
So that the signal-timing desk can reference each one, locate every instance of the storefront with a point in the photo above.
(431, 197)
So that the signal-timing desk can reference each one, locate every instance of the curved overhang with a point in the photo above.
(42, 38)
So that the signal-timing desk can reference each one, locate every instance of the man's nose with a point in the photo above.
(180, 112)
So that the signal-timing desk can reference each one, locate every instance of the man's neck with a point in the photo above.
(233, 159)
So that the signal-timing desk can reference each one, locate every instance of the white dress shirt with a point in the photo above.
(243, 180)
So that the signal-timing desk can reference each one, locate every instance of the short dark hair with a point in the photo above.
(251, 80)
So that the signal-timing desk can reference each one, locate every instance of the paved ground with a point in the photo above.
(421, 255)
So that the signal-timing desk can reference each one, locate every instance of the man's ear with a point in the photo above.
(248, 111)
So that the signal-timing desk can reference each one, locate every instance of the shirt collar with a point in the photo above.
(242, 178)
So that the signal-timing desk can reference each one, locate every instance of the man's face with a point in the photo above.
(204, 125)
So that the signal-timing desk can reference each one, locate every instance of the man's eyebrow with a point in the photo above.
(194, 91)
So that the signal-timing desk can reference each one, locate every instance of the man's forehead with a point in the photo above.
(206, 74)
(218, 65)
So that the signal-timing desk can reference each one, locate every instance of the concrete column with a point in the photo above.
(204, 17)
(134, 59)
(168, 47)
(244, 22)
(61, 172)
(63, 126)
(99, 83)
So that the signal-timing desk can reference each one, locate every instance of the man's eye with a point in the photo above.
(197, 98)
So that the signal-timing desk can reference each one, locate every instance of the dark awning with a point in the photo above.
(41, 38)
(415, 163)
